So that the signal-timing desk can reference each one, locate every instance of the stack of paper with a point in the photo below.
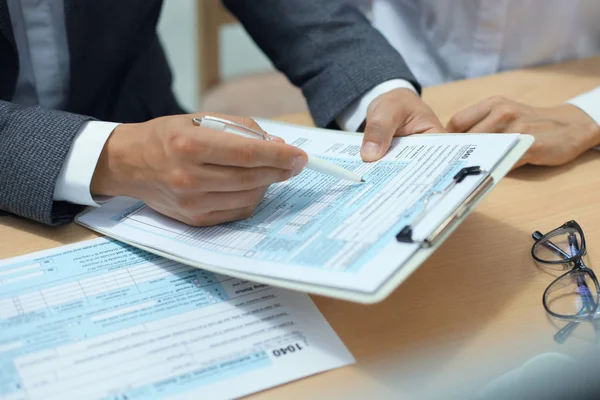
(317, 233)
(102, 320)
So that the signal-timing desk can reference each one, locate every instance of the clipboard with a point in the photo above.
(428, 242)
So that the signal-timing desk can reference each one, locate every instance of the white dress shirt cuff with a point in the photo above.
(75, 177)
(354, 115)
(589, 103)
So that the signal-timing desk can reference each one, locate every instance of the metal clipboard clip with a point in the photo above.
(406, 234)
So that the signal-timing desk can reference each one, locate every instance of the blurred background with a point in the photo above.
(217, 67)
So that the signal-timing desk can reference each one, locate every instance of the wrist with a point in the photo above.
(587, 131)
(406, 91)
(594, 134)
(113, 170)
(589, 127)
(568, 113)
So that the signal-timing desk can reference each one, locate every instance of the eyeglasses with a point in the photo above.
(573, 296)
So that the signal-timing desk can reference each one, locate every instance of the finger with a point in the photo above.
(383, 120)
(207, 219)
(397, 113)
(429, 126)
(520, 163)
(530, 157)
(218, 178)
(199, 204)
(205, 146)
(220, 217)
(422, 120)
(277, 139)
(492, 123)
(251, 153)
(228, 179)
(169, 212)
(466, 119)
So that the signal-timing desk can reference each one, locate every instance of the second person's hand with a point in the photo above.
(399, 112)
(561, 133)
(191, 173)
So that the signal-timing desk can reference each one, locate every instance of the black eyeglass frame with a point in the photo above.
(589, 310)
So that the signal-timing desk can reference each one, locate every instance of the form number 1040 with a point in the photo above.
(292, 348)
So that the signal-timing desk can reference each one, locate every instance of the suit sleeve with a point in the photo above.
(325, 47)
(34, 143)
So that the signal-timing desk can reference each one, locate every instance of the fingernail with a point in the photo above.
(371, 150)
(298, 164)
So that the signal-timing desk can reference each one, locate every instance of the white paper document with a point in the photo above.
(317, 229)
(103, 320)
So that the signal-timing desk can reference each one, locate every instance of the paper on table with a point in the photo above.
(103, 320)
(315, 228)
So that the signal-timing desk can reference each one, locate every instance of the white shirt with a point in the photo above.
(441, 40)
(446, 40)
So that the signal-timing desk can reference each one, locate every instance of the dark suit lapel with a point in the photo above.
(9, 64)
(75, 21)
(75, 24)
(5, 24)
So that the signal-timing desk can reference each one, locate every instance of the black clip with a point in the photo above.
(463, 173)
(405, 235)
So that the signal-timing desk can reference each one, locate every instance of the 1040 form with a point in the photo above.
(102, 320)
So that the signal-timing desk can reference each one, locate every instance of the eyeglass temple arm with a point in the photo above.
(537, 236)
(561, 336)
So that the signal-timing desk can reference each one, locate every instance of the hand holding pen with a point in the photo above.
(314, 163)
(190, 173)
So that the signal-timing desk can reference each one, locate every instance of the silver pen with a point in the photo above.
(314, 163)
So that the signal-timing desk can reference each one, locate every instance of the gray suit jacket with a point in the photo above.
(326, 47)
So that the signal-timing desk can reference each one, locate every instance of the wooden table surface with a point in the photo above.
(473, 310)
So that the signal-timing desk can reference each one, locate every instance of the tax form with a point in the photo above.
(315, 228)
(103, 320)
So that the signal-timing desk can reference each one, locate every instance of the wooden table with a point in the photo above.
(473, 310)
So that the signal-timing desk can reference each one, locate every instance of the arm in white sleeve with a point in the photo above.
(589, 103)
(354, 115)
(75, 177)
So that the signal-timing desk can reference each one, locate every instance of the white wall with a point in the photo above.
(177, 30)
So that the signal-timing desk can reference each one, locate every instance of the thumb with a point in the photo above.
(381, 126)
(423, 121)
(397, 113)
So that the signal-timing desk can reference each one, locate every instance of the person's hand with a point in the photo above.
(561, 133)
(399, 112)
(190, 173)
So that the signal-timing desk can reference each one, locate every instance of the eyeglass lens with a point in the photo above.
(574, 294)
(558, 247)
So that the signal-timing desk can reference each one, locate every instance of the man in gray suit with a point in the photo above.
(86, 108)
